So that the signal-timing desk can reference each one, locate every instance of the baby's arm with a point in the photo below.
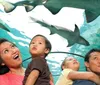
(73, 75)
(32, 77)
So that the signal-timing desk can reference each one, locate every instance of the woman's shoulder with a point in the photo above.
(4, 79)
(11, 79)
(3, 76)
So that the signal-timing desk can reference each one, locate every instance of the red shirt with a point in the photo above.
(11, 79)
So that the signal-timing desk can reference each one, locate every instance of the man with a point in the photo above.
(92, 63)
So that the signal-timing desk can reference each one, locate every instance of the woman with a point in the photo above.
(11, 70)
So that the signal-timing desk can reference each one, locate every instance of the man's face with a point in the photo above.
(94, 62)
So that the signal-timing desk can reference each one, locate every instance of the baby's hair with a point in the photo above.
(63, 63)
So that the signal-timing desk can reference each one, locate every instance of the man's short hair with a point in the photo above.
(87, 56)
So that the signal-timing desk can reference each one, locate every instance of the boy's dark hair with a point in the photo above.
(87, 56)
(48, 44)
(3, 68)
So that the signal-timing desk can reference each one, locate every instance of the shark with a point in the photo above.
(2, 26)
(9, 7)
(72, 37)
(91, 7)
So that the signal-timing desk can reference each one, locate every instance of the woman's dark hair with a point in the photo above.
(3, 68)
(48, 44)
(88, 55)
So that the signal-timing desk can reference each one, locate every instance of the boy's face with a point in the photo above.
(71, 63)
(38, 47)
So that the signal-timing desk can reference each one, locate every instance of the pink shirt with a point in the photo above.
(11, 79)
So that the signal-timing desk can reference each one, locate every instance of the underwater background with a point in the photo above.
(23, 28)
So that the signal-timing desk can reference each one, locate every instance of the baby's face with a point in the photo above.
(72, 63)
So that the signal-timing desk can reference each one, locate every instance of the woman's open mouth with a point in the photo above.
(15, 57)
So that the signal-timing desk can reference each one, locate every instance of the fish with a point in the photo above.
(8, 7)
(91, 7)
(2, 26)
(72, 37)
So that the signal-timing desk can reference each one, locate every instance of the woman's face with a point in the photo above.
(10, 55)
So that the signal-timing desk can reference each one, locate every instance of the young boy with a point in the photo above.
(70, 67)
(38, 72)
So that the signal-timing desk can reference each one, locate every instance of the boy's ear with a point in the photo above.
(47, 51)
